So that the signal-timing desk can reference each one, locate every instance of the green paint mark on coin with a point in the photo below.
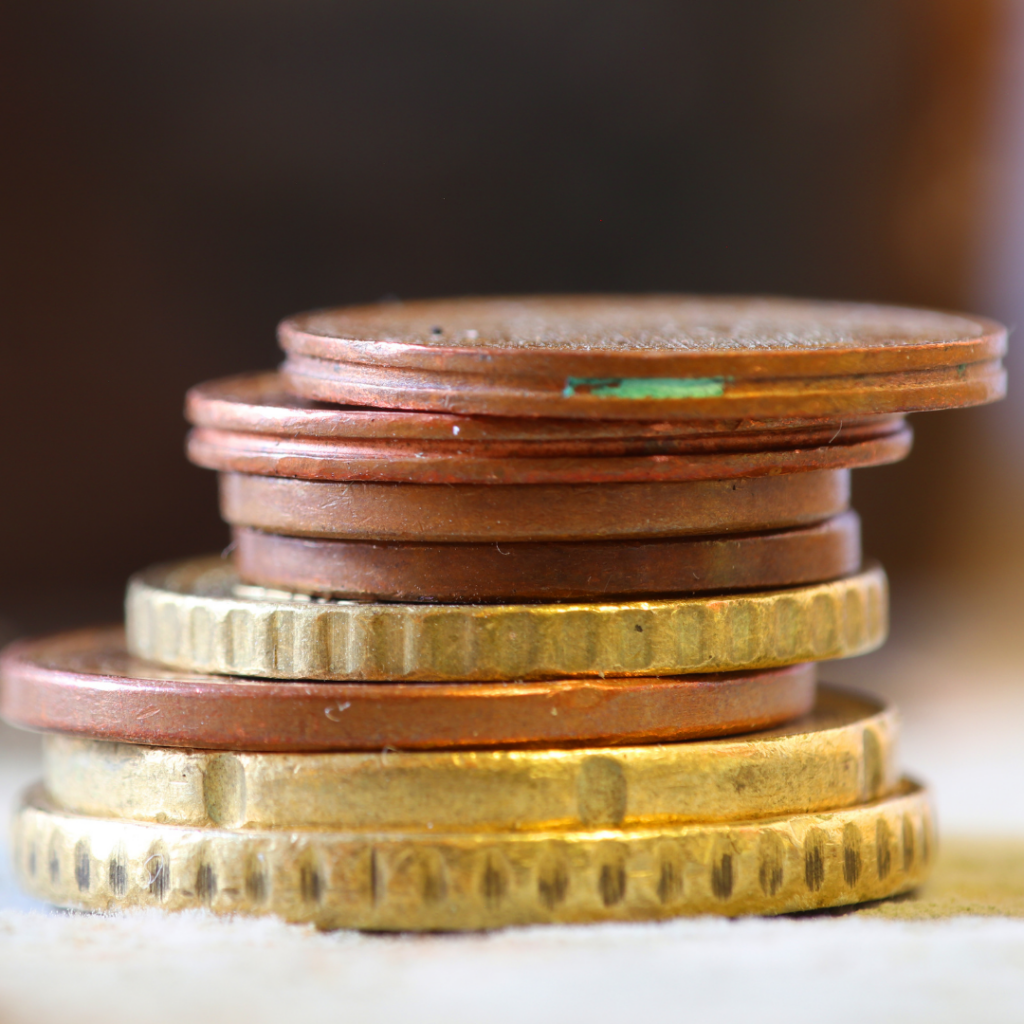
(645, 387)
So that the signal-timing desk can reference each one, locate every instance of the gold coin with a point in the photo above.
(419, 880)
(195, 615)
(841, 754)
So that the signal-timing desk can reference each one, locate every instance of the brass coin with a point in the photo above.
(645, 357)
(469, 513)
(551, 571)
(196, 615)
(843, 753)
(86, 683)
(418, 880)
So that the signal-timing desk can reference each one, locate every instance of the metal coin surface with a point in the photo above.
(485, 879)
(842, 753)
(645, 357)
(260, 403)
(470, 513)
(485, 463)
(196, 615)
(355, 445)
(576, 570)
(85, 683)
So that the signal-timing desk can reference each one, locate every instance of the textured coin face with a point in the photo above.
(486, 879)
(196, 615)
(86, 683)
(549, 571)
(643, 357)
(842, 753)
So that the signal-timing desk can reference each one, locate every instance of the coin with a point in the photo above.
(195, 615)
(86, 683)
(582, 570)
(645, 357)
(842, 753)
(486, 879)
(259, 403)
(447, 463)
(470, 513)
(278, 439)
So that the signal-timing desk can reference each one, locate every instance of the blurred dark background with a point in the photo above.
(178, 176)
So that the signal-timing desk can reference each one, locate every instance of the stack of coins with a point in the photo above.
(520, 624)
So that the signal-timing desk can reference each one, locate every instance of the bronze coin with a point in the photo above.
(86, 683)
(259, 403)
(645, 357)
(472, 513)
(481, 462)
(549, 571)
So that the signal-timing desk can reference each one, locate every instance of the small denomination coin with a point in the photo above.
(272, 436)
(471, 513)
(87, 684)
(196, 615)
(416, 880)
(645, 357)
(580, 570)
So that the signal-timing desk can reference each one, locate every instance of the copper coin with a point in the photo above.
(470, 513)
(645, 357)
(481, 462)
(86, 683)
(549, 571)
(259, 403)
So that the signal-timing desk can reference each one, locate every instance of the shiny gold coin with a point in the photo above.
(841, 754)
(419, 880)
(195, 615)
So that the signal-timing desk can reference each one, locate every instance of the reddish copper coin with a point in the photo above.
(447, 462)
(481, 513)
(645, 357)
(549, 571)
(259, 403)
(85, 683)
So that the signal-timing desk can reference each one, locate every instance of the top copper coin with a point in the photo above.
(646, 357)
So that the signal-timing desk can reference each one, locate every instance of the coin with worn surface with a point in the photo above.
(584, 570)
(530, 512)
(87, 684)
(484, 879)
(645, 357)
(842, 753)
(196, 615)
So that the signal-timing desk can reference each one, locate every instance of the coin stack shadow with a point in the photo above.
(520, 624)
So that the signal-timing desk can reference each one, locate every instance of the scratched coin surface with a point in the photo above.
(644, 357)
(580, 570)
(840, 754)
(485, 879)
(530, 512)
(198, 615)
(86, 683)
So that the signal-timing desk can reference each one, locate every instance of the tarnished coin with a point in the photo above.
(470, 513)
(580, 570)
(196, 615)
(484, 879)
(842, 753)
(645, 357)
(87, 684)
